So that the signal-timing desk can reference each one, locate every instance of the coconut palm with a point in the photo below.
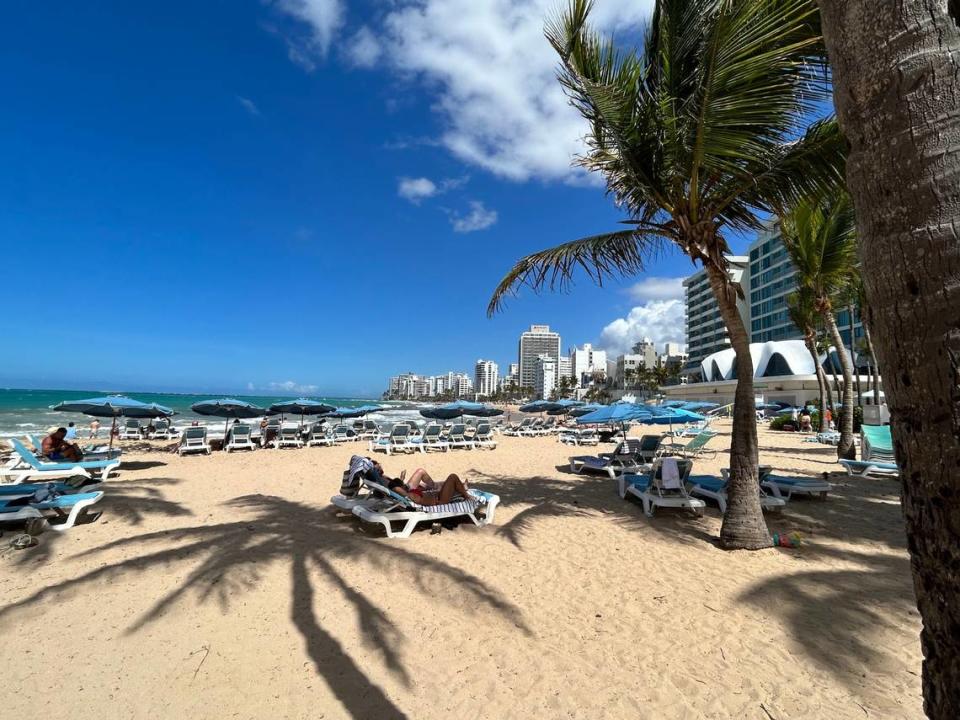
(803, 312)
(699, 136)
(820, 237)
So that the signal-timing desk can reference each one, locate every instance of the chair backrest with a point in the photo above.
(132, 424)
(699, 440)
(240, 431)
(400, 431)
(483, 430)
(457, 430)
(274, 422)
(432, 432)
(195, 435)
(162, 425)
(526, 423)
(25, 454)
(369, 425)
(684, 468)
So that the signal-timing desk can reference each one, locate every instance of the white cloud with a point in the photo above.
(323, 18)
(491, 72)
(292, 387)
(657, 288)
(479, 218)
(416, 189)
(363, 49)
(248, 105)
(660, 320)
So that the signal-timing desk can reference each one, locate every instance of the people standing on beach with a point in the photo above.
(71, 432)
(55, 447)
(94, 429)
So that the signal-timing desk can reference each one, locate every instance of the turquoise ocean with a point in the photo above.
(28, 411)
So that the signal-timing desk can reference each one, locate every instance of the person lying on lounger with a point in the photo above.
(422, 489)
(55, 447)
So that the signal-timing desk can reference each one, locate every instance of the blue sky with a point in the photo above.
(230, 195)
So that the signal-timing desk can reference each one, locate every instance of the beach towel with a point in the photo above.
(670, 474)
(359, 467)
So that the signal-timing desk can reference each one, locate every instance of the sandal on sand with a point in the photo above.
(23, 541)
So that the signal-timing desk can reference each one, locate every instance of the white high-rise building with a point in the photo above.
(537, 341)
(485, 377)
(545, 380)
(706, 330)
(565, 367)
(586, 362)
(672, 349)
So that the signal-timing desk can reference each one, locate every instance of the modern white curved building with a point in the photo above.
(782, 371)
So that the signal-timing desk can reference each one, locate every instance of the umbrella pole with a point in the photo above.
(112, 428)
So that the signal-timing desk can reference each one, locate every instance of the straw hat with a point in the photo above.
(52, 429)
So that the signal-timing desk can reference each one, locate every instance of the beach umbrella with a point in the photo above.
(538, 406)
(345, 412)
(623, 413)
(457, 409)
(301, 407)
(114, 406)
(228, 408)
(585, 409)
(697, 405)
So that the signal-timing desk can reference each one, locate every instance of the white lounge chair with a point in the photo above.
(161, 430)
(633, 455)
(456, 437)
(396, 441)
(483, 437)
(239, 438)
(575, 436)
(661, 487)
(786, 487)
(480, 508)
(517, 430)
(370, 431)
(318, 436)
(194, 440)
(431, 439)
(131, 430)
(64, 509)
(289, 436)
(696, 448)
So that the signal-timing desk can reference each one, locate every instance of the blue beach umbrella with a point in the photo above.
(585, 409)
(301, 406)
(537, 406)
(345, 412)
(459, 408)
(627, 412)
(114, 406)
(228, 408)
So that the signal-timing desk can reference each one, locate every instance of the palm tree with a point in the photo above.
(820, 237)
(803, 313)
(699, 136)
(898, 90)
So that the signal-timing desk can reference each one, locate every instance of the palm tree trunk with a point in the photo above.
(846, 450)
(897, 90)
(856, 369)
(743, 524)
(811, 344)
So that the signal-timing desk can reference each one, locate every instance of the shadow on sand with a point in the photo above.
(309, 539)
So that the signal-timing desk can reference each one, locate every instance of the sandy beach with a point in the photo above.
(228, 587)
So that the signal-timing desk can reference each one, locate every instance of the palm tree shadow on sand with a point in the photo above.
(310, 539)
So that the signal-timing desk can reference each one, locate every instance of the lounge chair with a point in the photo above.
(456, 437)
(131, 430)
(696, 448)
(90, 452)
(431, 439)
(194, 440)
(876, 443)
(161, 430)
(239, 439)
(656, 488)
(483, 437)
(534, 429)
(270, 432)
(66, 509)
(318, 435)
(480, 508)
(26, 467)
(370, 431)
(633, 455)
(289, 436)
(343, 433)
(866, 468)
(517, 430)
(71, 485)
(396, 441)
(786, 487)
(710, 486)
(573, 436)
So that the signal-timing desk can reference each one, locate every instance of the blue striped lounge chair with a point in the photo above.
(784, 487)
(62, 512)
(395, 509)
(866, 468)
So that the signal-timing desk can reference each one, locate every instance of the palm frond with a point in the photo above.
(603, 256)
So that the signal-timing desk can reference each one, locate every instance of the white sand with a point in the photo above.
(226, 586)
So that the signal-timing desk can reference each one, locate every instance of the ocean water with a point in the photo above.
(28, 411)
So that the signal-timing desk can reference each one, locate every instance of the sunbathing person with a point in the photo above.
(421, 488)
(55, 447)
